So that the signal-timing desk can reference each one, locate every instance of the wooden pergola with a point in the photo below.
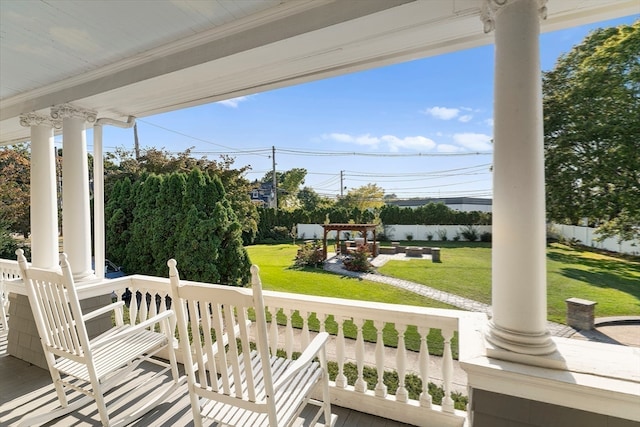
(363, 228)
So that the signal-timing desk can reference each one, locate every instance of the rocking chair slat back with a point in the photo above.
(230, 370)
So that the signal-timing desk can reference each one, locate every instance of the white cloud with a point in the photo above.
(394, 143)
(489, 122)
(442, 113)
(233, 102)
(474, 141)
(365, 139)
(411, 142)
(448, 148)
(465, 118)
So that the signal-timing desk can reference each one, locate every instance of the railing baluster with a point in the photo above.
(306, 339)
(341, 379)
(425, 397)
(133, 307)
(322, 318)
(153, 309)
(143, 309)
(273, 330)
(401, 364)
(288, 336)
(381, 388)
(361, 384)
(447, 371)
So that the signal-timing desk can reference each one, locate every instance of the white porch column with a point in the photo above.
(44, 201)
(519, 322)
(76, 226)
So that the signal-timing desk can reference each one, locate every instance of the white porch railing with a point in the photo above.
(9, 271)
(149, 296)
(590, 373)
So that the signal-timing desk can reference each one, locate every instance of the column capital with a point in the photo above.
(65, 111)
(492, 8)
(35, 119)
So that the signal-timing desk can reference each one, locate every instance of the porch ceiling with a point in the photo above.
(141, 58)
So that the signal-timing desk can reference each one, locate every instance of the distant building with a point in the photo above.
(465, 204)
(263, 195)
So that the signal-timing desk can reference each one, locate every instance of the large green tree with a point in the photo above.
(14, 188)
(592, 132)
(288, 183)
(209, 239)
(369, 196)
(186, 217)
(310, 200)
(161, 162)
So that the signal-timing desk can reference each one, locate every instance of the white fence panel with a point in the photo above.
(587, 236)
(397, 232)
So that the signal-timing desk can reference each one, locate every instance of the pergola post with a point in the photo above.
(324, 244)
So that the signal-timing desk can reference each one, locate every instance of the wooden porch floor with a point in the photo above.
(26, 390)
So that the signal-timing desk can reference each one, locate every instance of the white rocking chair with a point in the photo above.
(94, 366)
(235, 385)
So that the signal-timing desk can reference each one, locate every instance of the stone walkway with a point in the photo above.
(334, 265)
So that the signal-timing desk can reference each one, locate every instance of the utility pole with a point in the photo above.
(275, 181)
(341, 184)
(136, 144)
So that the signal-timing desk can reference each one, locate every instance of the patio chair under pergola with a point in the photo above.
(363, 228)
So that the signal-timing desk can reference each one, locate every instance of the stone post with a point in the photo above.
(581, 313)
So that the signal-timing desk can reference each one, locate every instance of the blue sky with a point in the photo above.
(418, 129)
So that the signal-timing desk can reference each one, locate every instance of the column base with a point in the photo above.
(84, 276)
(530, 344)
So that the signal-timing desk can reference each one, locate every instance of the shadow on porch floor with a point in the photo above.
(26, 389)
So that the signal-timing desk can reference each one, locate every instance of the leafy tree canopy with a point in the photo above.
(288, 183)
(14, 188)
(122, 163)
(310, 200)
(592, 133)
(369, 196)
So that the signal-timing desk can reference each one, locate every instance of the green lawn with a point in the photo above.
(276, 273)
(275, 263)
(613, 283)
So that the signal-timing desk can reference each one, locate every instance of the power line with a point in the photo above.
(354, 153)
(200, 139)
(445, 171)
(418, 179)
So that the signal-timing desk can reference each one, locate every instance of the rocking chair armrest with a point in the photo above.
(316, 345)
(133, 329)
(102, 310)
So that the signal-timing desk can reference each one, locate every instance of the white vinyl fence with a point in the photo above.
(587, 237)
(397, 232)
